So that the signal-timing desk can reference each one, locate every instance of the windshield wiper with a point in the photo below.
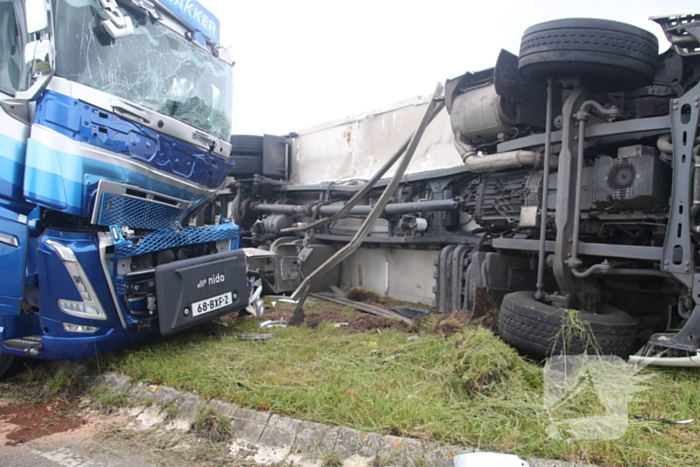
(117, 24)
(144, 6)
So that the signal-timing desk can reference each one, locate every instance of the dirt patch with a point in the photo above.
(316, 317)
(358, 294)
(488, 320)
(229, 318)
(367, 323)
(444, 325)
(22, 423)
(311, 317)
(487, 303)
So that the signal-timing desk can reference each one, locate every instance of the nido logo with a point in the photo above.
(215, 279)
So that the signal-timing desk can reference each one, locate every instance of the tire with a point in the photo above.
(7, 364)
(247, 155)
(251, 145)
(607, 55)
(246, 165)
(532, 327)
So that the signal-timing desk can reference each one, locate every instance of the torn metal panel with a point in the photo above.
(356, 147)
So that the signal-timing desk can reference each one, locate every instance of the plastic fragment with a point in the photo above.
(489, 459)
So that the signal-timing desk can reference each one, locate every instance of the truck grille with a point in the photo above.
(165, 239)
(137, 213)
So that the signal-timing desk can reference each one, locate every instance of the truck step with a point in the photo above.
(24, 343)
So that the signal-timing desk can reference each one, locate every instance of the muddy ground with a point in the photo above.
(73, 429)
(445, 324)
(20, 423)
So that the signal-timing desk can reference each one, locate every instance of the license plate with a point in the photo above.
(211, 304)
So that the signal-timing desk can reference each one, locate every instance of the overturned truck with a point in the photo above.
(563, 180)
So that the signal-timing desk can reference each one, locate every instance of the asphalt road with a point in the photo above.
(81, 453)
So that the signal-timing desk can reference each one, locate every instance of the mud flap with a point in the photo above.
(197, 290)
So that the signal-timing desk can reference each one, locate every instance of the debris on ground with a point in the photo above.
(248, 336)
(339, 293)
(270, 323)
(358, 294)
(373, 317)
(365, 323)
(489, 459)
(410, 311)
(372, 309)
(256, 305)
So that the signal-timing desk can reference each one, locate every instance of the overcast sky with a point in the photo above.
(305, 62)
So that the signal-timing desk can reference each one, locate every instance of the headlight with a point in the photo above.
(79, 328)
(90, 306)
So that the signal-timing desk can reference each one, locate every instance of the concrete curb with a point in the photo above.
(266, 438)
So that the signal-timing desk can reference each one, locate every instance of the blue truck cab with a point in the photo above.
(114, 127)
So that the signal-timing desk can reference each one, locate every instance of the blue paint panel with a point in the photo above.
(43, 182)
(63, 114)
(90, 125)
(35, 231)
(18, 204)
(196, 16)
(11, 167)
(72, 346)
(25, 324)
(12, 261)
(72, 189)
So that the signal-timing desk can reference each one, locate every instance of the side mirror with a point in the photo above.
(36, 15)
(39, 63)
(38, 57)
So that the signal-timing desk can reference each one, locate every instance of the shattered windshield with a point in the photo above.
(155, 67)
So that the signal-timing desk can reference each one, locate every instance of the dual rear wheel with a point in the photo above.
(607, 56)
(544, 330)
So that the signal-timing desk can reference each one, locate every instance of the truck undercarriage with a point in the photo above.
(578, 189)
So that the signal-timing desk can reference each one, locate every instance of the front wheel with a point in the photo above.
(544, 330)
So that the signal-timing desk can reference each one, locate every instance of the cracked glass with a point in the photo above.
(155, 67)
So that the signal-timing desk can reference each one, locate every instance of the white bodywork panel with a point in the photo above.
(398, 273)
(355, 148)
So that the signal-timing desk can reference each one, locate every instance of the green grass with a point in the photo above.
(469, 389)
(212, 425)
(37, 384)
(111, 400)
